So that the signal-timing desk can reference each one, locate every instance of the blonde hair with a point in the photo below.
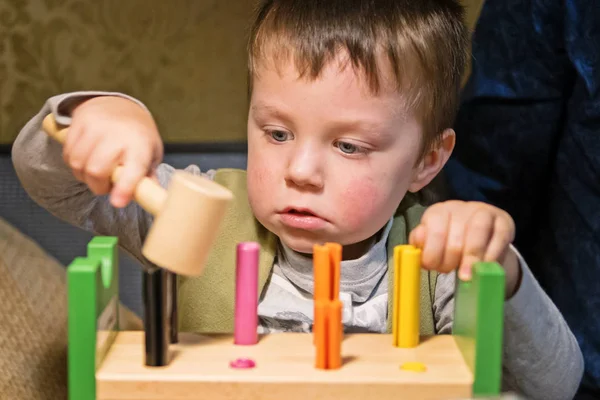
(424, 41)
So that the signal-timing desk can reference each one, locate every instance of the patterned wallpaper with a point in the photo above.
(184, 58)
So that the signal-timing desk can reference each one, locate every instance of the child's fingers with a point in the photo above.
(477, 236)
(135, 167)
(502, 237)
(74, 134)
(465, 270)
(82, 149)
(100, 165)
(436, 228)
(454, 243)
(417, 236)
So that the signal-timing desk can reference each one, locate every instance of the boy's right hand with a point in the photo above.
(106, 132)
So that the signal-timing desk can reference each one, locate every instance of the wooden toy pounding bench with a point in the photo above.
(105, 363)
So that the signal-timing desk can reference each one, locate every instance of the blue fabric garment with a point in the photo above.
(528, 141)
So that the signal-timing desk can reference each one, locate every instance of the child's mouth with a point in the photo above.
(300, 211)
(301, 218)
(297, 212)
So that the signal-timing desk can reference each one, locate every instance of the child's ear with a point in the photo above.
(433, 161)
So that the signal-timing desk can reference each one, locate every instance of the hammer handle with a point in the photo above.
(148, 193)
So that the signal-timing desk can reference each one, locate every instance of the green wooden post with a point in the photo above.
(93, 299)
(478, 325)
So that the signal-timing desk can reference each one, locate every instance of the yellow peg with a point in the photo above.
(396, 300)
(396, 287)
(408, 318)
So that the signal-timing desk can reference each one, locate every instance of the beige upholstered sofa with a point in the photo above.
(33, 320)
(33, 340)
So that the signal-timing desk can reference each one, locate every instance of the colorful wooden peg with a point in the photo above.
(246, 294)
(405, 318)
(327, 328)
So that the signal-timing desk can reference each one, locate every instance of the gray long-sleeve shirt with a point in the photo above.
(541, 360)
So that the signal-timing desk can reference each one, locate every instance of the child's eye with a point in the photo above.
(279, 136)
(349, 148)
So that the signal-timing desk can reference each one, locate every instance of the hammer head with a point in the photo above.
(187, 224)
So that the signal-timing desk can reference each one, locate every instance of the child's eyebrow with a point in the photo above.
(267, 108)
(373, 128)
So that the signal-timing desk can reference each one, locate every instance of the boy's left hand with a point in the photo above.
(457, 234)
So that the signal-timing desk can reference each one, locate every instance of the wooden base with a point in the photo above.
(285, 370)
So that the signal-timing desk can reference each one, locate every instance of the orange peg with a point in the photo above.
(327, 327)
(334, 335)
(320, 334)
(322, 271)
(335, 260)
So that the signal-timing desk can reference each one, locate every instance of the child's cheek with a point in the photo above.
(258, 181)
(358, 204)
(260, 171)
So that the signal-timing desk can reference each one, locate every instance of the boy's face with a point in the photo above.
(327, 159)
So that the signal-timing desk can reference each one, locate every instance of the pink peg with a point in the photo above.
(246, 294)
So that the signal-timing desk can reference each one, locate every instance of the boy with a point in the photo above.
(350, 107)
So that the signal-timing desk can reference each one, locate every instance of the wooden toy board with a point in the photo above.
(108, 364)
(199, 368)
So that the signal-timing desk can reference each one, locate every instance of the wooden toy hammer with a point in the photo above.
(186, 216)
(186, 221)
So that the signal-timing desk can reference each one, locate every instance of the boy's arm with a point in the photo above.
(50, 183)
(541, 357)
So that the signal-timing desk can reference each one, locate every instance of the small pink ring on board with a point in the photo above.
(246, 294)
(242, 363)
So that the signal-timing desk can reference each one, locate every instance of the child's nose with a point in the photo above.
(305, 168)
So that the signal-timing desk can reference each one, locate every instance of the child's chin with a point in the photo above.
(300, 245)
